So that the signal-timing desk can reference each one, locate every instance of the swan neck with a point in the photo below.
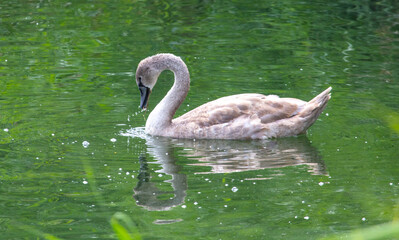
(162, 115)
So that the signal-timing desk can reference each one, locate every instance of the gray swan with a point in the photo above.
(242, 116)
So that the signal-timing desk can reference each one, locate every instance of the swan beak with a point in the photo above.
(144, 95)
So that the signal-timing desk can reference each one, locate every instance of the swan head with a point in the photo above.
(150, 68)
(146, 76)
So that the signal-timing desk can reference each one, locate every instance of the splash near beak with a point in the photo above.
(144, 95)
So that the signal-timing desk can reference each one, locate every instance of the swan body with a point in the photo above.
(242, 116)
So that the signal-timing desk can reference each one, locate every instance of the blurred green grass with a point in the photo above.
(388, 230)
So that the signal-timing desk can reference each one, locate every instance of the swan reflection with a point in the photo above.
(221, 156)
(238, 156)
(148, 195)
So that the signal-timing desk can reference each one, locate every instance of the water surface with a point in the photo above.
(72, 148)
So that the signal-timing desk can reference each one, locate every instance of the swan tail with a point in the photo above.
(315, 107)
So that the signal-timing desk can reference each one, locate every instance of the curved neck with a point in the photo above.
(163, 113)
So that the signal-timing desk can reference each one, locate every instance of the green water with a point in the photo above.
(72, 148)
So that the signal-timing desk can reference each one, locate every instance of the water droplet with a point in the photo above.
(85, 144)
(234, 189)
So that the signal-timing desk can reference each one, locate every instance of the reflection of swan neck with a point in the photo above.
(146, 192)
(163, 113)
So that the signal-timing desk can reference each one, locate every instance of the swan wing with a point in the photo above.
(229, 109)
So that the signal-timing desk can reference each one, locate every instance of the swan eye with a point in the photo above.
(140, 84)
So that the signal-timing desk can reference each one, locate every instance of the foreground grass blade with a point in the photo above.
(124, 227)
(382, 231)
(35, 232)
